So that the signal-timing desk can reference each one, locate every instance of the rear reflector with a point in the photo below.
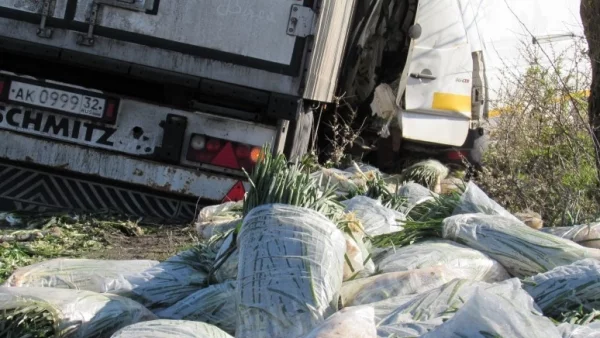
(222, 153)
(226, 158)
(236, 193)
(1, 87)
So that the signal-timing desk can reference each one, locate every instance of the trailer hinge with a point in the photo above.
(302, 21)
(88, 38)
(43, 31)
(147, 6)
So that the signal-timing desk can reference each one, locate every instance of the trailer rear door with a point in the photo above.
(253, 33)
(262, 34)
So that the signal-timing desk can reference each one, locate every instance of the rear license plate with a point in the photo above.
(57, 99)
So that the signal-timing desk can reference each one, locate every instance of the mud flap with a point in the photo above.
(28, 189)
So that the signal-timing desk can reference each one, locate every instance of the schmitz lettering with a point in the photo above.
(56, 126)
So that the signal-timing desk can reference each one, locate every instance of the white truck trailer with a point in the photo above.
(152, 107)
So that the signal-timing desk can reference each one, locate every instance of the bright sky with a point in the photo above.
(505, 24)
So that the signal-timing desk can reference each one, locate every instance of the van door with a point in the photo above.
(437, 99)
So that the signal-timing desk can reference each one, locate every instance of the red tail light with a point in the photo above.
(213, 145)
(242, 151)
(236, 193)
(1, 87)
(222, 153)
(109, 113)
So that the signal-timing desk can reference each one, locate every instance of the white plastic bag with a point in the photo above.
(346, 182)
(290, 271)
(164, 328)
(475, 201)
(218, 219)
(415, 194)
(425, 306)
(353, 263)
(393, 284)
(227, 263)
(170, 281)
(80, 274)
(214, 305)
(579, 331)
(409, 329)
(487, 314)
(465, 262)
(522, 250)
(77, 314)
(374, 217)
(361, 168)
(584, 235)
(423, 312)
(355, 322)
(566, 288)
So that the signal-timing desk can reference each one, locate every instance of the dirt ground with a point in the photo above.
(28, 239)
(157, 243)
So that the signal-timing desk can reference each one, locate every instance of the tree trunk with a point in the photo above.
(590, 15)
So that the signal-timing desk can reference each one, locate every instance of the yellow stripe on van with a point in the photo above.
(451, 102)
(494, 113)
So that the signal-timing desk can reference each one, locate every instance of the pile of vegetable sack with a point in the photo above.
(332, 253)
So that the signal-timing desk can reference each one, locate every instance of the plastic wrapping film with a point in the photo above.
(361, 168)
(170, 281)
(214, 305)
(228, 267)
(567, 287)
(585, 235)
(558, 231)
(359, 255)
(521, 250)
(164, 328)
(290, 271)
(345, 181)
(354, 260)
(218, 219)
(369, 266)
(355, 322)
(409, 329)
(393, 284)
(466, 262)
(79, 314)
(487, 314)
(415, 194)
(407, 316)
(374, 217)
(475, 201)
(429, 307)
(81, 274)
(591, 330)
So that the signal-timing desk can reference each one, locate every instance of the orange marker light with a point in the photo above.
(256, 154)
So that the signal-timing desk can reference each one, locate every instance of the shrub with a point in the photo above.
(541, 156)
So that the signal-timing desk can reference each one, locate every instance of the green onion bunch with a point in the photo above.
(376, 188)
(438, 208)
(424, 221)
(426, 173)
(273, 181)
(580, 316)
(33, 319)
